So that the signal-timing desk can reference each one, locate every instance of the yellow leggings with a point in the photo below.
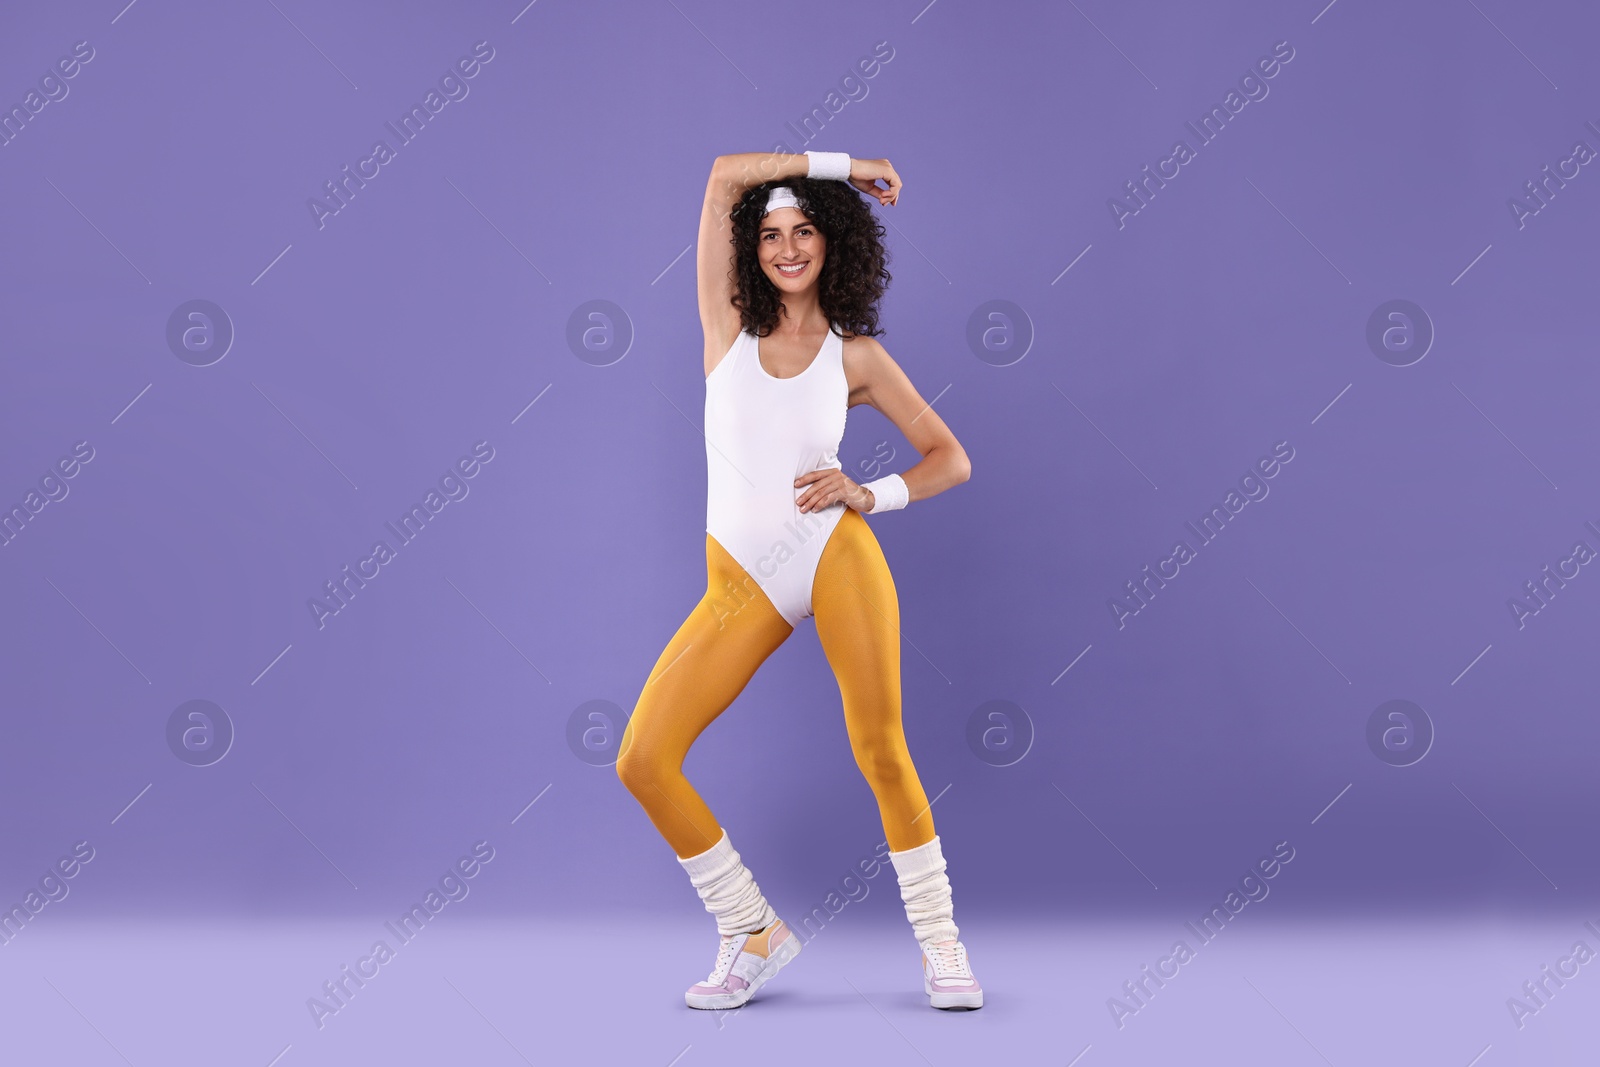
(727, 636)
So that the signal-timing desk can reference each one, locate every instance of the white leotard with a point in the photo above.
(761, 434)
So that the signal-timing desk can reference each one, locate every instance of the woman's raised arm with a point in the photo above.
(731, 176)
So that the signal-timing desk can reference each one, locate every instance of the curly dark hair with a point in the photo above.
(854, 273)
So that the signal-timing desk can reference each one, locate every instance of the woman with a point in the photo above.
(791, 269)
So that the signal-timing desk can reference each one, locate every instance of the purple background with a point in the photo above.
(435, 310)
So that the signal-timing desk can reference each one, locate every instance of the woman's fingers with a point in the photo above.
(866, 173)
(869, 186)
(825, 487)
(891, 178)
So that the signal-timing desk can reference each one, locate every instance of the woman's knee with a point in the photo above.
(884, 759)
(641, 770)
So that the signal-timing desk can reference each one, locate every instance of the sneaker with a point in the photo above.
(744, 963)
(947, 977)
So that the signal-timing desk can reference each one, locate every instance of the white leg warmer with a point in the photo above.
(728, 889)
(926, 892)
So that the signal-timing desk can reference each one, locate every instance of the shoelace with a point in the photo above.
(949, 960)
(727, 952)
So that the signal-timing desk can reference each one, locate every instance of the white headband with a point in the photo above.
(781, 196)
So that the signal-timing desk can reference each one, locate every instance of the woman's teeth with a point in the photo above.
(791, 271)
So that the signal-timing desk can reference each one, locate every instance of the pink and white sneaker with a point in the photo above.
(744, 963)
(947, 977)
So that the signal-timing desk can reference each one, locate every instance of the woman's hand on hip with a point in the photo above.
(830, 486)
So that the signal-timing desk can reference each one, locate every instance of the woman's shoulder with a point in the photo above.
(861, 342)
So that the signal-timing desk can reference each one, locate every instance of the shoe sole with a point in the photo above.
(948, 1001)
(780, 956)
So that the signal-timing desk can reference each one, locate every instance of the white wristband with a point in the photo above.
(832, 165)
(889, 493)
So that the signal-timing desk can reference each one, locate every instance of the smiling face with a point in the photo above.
(791, 249)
